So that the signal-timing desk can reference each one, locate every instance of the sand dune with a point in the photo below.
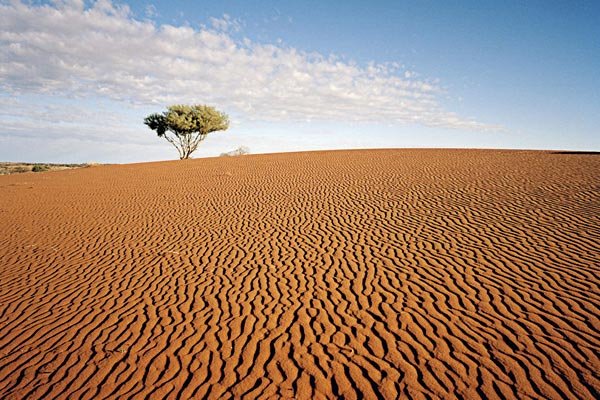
(357, 274)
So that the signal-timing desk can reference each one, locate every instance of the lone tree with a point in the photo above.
(186, 126)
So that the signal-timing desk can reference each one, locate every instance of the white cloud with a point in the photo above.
(150, 11)
(226, 24)
(67, 49)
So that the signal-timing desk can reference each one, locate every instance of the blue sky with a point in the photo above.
(78, 78)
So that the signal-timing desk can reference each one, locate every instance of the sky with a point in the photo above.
(78, 77)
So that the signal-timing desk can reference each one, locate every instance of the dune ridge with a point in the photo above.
(385, 274)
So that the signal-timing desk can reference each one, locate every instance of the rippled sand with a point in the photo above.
(376, 274)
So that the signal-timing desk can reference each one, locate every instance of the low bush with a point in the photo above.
(40, 168)
(240, 151)
(19, 169)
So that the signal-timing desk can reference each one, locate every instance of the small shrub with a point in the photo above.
(240, 151)
(19, 170)
(40, 168)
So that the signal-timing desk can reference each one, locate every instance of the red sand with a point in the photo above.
(376, 274)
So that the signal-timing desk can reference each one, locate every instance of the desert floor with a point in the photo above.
(357, 274)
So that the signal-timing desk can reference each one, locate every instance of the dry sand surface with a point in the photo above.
(356, 274)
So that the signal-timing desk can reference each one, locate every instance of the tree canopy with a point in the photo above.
(185, 126)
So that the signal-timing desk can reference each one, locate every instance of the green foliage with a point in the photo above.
(40, 168)
(186, 126)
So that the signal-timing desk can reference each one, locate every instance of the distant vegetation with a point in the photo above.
(240, 151)
(40, 168)
(186, 126)
(7, 168)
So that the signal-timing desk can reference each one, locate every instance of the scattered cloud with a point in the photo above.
(226, 24)
(74, 49)
(150, 11)
(67, 119)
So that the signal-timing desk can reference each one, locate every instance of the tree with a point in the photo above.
(186, 126)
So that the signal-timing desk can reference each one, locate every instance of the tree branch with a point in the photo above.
(172, 141)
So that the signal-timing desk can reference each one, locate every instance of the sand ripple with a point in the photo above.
(358, 274)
